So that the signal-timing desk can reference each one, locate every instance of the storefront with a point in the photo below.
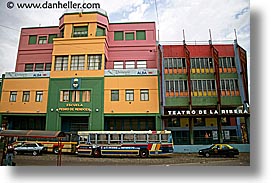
(206, 126)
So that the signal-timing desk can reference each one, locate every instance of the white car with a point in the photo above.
(30, 148)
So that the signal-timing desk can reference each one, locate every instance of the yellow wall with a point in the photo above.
(135, 83)
(69, 46)
(20, 85)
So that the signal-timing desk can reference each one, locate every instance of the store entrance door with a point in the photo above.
(74, 123)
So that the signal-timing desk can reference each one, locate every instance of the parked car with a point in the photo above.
(30, 148)
(219, 150)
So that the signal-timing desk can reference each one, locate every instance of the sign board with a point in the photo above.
(38, 74)
(130, 72)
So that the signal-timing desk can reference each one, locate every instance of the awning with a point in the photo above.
(32, 133)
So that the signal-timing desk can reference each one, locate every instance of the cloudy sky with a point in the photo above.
(196, 17)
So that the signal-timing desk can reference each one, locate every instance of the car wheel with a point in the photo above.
(97, 153)
(55, 150)
(15, 152)
(230, 155)
(143, 153)
(34, 153)
(207, 155)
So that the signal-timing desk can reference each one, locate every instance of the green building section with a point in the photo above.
(80, 115)
(199, 100)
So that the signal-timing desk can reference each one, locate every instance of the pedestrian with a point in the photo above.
(9, 156)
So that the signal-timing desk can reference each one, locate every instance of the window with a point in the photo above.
(199, 121)
(38, 97)
(114, 95)
(94, 62)
(64, 96)
(129, 36)
(144, 95)
(32, 39)
(28, 67)
(86, 96)
(26, 96)
(80, 31)
(130, 64)
(141, 64)
(75, 96)
(100, 31)
(42, 40)
(61, 63)
(51, 36)
(118, 65)
(129, 95)
(62, 33)
(39, 67)
(77, 63)
(173, 122)
(141, 35)
(48, 67)
(118, 35)
(13, 95)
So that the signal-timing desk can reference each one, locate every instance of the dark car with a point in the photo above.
(219, 150)
(31, 148)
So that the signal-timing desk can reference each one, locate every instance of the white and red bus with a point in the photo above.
(139, 143)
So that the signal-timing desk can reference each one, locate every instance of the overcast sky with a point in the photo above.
(196, 17)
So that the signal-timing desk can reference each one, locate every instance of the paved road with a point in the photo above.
(172, 160)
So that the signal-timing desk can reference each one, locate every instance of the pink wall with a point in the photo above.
(132, 49)
(197, 50)
(34, 53)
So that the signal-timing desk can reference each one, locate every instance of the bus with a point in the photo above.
(139, 143)
(68, 143)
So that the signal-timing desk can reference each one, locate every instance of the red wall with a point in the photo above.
(132, 49)
(34, 53)
(197, 50)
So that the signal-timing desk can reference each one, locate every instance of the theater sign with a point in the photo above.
(197, 112)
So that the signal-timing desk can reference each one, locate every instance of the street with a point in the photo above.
(175, 159)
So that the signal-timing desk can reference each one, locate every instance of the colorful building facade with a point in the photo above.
(90, 74)
(204, 93)
(101, 75)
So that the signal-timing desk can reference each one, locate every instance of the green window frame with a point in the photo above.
(42, 40)
(28, 67)
(100, 31)
(141, 35)
(81, 31)
(118, 36)
(51, 36)
(129, 36)
(32, 39)
(114, 95)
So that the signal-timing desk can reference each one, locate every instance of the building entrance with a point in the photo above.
(74, 123)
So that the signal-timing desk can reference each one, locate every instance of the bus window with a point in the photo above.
(102, 138)
(141, 138)
(127, 138)
(91, 138)
(164, 137)
(115, 138)
(153, 137)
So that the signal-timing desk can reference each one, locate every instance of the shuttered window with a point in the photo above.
(32, 39)
(51, 36)
(100, 31)
(118, 35)
(129, 36)
(141, 35)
